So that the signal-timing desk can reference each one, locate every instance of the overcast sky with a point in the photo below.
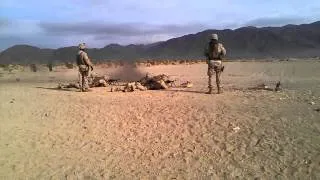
(58, 23)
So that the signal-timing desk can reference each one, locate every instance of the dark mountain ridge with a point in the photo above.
(246, 42)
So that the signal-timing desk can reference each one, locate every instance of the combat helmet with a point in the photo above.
(214, 37)
(82, 46)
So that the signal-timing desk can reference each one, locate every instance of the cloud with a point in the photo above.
(275, 21)
(90, 28)
(8, 41)
(99, 34)
(4, 22)
(95, 34)
(108, 30)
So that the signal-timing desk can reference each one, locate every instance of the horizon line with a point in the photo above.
(146, 44)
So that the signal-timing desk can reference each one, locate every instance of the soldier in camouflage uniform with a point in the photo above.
(84, 65)
(214, 53)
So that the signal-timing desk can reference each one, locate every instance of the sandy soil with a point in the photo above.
(47, 133)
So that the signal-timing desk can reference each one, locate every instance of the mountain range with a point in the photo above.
(246, 42)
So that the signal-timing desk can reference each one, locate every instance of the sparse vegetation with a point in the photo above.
(7, 67)
(50, 66)
(69, 65)
(121, 63)
(150, 63)
(182, 62)
(11, 67)
(33, 67)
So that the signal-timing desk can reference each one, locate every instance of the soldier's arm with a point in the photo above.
(206, 53)
(223, 50)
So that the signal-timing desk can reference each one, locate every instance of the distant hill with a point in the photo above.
(246, 42)
(25, 54)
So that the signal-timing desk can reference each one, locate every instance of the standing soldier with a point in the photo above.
(84, 65)
(214, 53)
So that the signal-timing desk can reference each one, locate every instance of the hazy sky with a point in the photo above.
(98, 23)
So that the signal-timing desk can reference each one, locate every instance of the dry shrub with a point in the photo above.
(12, 67)
(157, 62)
(109, 64)
(152, 63)
(174, 62)
(50, 66)
(121, 63)
(115, 64)
(138, 63)
(33, 67)
(166, 62)
(160, 62)
(141, 62)
(146, 62)
(182, 62)
(6, 67)
(192, 61)
(69, 65)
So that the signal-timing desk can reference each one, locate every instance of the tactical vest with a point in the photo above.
(214, 51)
(80, 60)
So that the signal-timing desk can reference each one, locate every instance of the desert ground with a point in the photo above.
(47, 133)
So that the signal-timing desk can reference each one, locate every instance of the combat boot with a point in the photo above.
(210, 91)
(86, 90)
(220, 90)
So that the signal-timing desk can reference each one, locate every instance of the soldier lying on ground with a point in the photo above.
(155, 82)
(70, 85)
(97, 81)
(158, 82)
(113, 81)
(93, 81)
(130, 87)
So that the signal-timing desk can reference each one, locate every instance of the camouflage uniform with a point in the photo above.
(155, 82)
(214, 53)
(84, 64)
(97, 81)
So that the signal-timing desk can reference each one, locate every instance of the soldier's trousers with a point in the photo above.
(217, 70)
(83, 78)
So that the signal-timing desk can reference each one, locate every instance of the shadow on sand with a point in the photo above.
(224, 90)
(187, 91)
(58, 89)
